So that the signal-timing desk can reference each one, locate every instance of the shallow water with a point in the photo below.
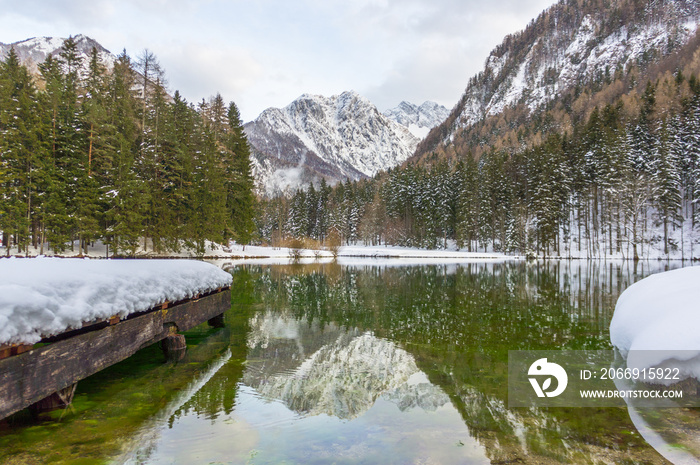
(365, 364)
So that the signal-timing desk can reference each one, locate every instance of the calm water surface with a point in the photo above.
(325, 363)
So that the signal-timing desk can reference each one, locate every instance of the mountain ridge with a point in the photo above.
(418, 119)
(572, 48)
(33, 51)
(335, 138)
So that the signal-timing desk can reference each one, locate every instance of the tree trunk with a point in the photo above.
(90, 149)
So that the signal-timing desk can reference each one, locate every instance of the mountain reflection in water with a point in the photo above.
(367, 364)
(341, 378)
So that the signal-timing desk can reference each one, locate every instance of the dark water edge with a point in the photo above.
(363, 364)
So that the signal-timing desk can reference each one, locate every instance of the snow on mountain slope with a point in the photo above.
(34, 51)
(336, 138)
(560, 59)
(418, 119)
(570, 45)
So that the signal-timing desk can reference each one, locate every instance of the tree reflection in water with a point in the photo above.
(457, 323)
(381, 364)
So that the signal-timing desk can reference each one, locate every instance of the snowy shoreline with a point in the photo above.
(249, 252)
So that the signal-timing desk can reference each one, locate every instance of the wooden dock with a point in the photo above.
(45, 377)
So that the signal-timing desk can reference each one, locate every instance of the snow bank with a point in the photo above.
(660, 316)
(367, 251)
(46, 296)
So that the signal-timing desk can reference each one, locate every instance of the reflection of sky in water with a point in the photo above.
(312, 393)
(359, 398)
(260, 431)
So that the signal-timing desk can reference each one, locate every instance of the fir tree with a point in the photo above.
(240, 201)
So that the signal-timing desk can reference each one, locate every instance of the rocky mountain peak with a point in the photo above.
(418, 119)
(571, 45)
(336, 138)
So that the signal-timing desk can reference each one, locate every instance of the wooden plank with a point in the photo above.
(34, 375)
(185, 317)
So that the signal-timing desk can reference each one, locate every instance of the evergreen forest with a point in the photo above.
(91, 152)
(624, 182)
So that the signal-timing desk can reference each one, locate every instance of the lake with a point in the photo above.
(366, 363)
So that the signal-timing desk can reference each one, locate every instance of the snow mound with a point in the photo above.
(656, 320)
(47, 296)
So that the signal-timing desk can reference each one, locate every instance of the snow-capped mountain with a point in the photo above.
(572, 47)
(418, 119)
(34, 51)
(336, 138)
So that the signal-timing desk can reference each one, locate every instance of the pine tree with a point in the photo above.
(70, 156)
(20, 148)
(128, 196)
(667, 179)
(297, 224)
(468, 203)
(240, 201)
(97, 161)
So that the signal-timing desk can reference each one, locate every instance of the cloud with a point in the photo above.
(226, 69)
(267, 52)
(67, 11)
(437, 45)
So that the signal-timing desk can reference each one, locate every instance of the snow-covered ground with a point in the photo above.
(656, 320)
(234, 251)
(47, 296)
(684, 242)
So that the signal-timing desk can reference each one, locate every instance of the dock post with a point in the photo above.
(59, 399)
(174, 347)
(217, 321)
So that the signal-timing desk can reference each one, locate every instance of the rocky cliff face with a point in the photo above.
(418, 119)
(336, 138)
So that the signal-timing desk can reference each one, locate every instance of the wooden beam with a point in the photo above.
(59, 399)
(34, 375)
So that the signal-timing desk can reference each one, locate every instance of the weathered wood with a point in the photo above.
(174, 347)
(22, 348)
(34, 375)
(59, 399)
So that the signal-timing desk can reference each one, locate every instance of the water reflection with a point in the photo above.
(311, 393)
(409, 365)
(374, 364)
(342, 378)
(458, 323)
(146, 441)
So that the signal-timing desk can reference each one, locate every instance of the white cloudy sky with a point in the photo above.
(263, 53)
